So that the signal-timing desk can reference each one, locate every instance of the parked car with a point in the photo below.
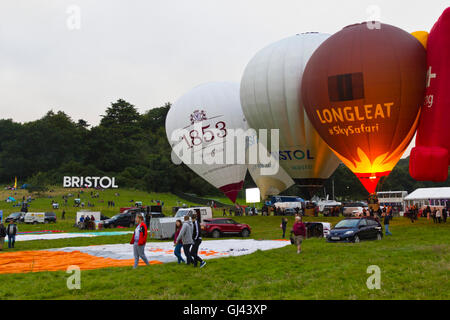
(220, 226)
(16, 217)
(205, 212)
(122, 219)
(351, 209)
(50, 217)
(355, 230)
(289, 212)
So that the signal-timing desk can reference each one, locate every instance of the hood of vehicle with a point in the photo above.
(342, 231)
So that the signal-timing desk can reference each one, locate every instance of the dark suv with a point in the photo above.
(122, 219)
(16, 217)
(355, 230)
(50, 217)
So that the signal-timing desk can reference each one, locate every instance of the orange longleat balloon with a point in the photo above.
(362, 90)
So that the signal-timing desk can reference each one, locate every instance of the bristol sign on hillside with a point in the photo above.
(89, 182)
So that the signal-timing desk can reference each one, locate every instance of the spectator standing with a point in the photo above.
(11, 232)
(444, 214)
(387, 217)
(185, 237)
(438, 216)
(2, 235)
(178, 245)
(299, 231)
(63, 215)
(283, 226)
(139, 240)
(196, 237)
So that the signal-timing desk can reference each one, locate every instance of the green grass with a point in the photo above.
(414, 262)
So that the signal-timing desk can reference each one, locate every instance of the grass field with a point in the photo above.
(414, 263)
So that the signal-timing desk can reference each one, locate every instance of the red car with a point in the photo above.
(220, 226)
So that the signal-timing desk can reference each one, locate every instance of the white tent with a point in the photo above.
(429, 193)
(429, 196)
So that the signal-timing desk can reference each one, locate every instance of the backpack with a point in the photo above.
(2, 232)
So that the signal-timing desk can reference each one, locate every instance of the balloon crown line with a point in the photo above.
(360, 23)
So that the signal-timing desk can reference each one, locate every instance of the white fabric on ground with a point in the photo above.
(163, 251)
(53, 236)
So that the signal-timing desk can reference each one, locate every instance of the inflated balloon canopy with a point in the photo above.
(429, 160)
(362, 90)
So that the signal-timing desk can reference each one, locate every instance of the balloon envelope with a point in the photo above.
(429, 159)
(204, 117)
(270, 100)
(362, 90)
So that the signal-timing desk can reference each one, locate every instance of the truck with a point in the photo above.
(164, 228)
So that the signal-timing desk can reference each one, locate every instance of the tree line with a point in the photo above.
(133, 148)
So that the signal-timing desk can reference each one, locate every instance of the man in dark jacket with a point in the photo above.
(11, 231)
(197, 240)
(386, 218)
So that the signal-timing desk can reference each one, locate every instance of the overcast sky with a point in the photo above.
(79, 56)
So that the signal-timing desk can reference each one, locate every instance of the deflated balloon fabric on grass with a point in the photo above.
(120, 255)
(52, 236)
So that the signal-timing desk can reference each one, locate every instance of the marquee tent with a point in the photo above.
(429, 196)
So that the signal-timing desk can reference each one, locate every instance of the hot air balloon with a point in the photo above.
(429, 159)
(200, 121)
(362, 90)
(270, 100)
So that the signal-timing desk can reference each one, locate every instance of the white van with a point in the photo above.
(164, 228)
(35, 217)
(206, 212)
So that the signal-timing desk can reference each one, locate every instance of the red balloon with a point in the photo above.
(429, 160)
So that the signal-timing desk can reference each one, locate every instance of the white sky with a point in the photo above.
(152, 51)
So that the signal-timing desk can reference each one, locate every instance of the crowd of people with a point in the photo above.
(438, 214)
(87, 222)
(187, 237)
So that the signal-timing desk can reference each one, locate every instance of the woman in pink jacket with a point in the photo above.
(178, 245)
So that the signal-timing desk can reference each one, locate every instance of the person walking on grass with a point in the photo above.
(283, 226)
(386, 219)
(138, 240)
(11, 231)
(185, 237)
(196, 237)
(2, 235)
(178, 246)
(299, 231)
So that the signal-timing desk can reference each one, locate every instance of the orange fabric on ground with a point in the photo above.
(36, 261)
